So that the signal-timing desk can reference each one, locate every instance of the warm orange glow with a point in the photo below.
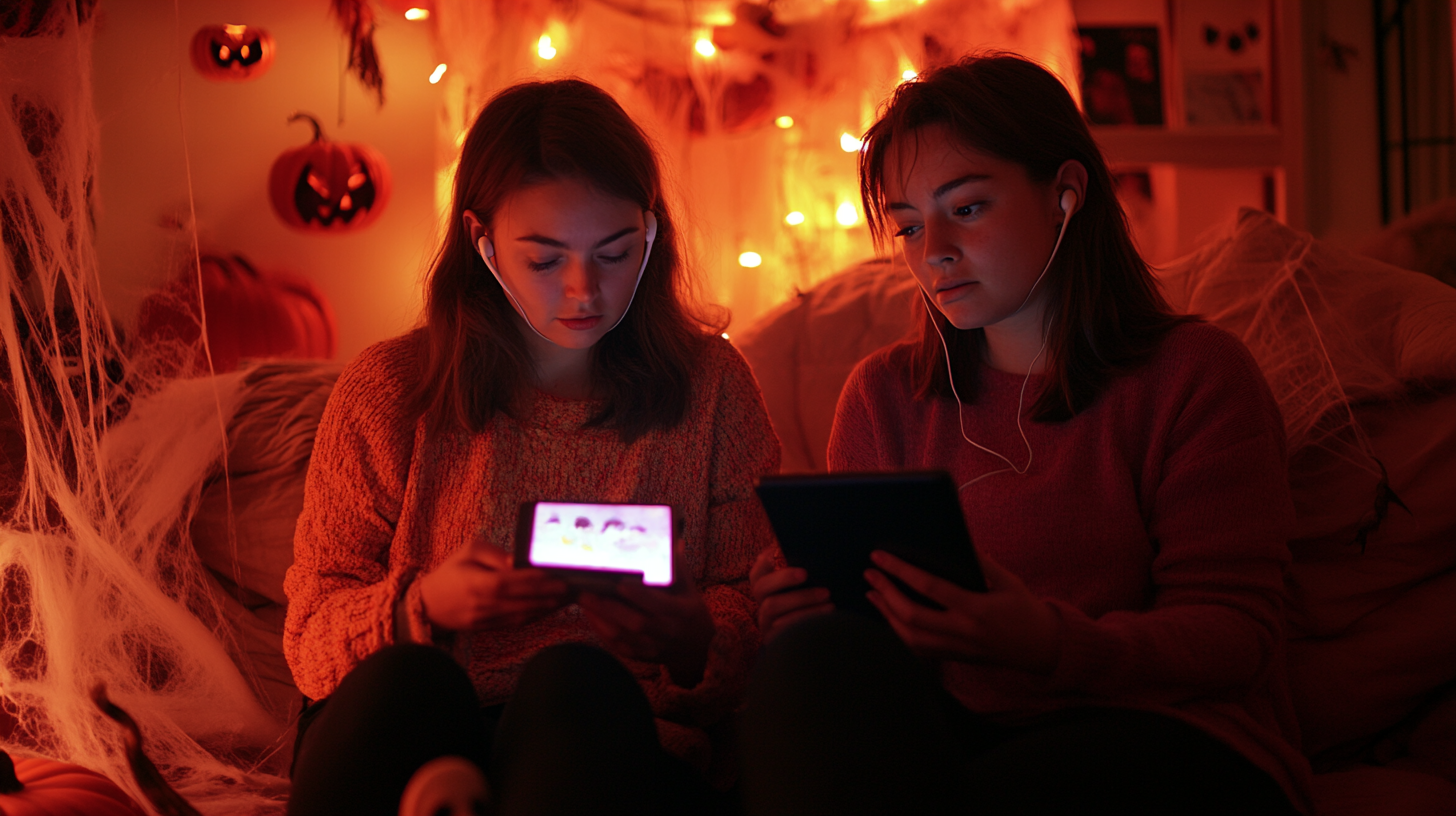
(544, 48)
(847, 215)
(235, 30)
(908, 74)
(849, 144)
(223, 52)
(243, 52)
(705, 47)
(784, 122)
(725, 335)
(750, 260)
(417, 14)
(437, 73)
(722, 17)
(794, 218)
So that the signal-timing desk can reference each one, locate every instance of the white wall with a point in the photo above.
(234, 131)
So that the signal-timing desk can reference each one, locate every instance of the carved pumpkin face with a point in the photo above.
(328, 186)
(231, 53)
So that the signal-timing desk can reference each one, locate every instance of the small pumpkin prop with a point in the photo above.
(231, 53)
(250, 314)
(328, 186)
(32, 786)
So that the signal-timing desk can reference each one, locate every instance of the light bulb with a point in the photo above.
(750, 259)
(784, 122)
(849, 144)
(438, 72)
(417, 14)
(794, 218)
(846, 215)
(705, 47)
(908, 74)
(544, 49)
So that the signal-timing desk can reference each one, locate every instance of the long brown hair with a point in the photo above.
(478, 362)
(1106, 313)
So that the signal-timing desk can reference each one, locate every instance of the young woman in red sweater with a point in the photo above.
(1123, 478)
(558, 361)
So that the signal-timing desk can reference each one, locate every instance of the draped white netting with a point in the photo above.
(98, 580)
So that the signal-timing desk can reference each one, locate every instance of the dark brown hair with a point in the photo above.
(478, 362)
(1106, 313)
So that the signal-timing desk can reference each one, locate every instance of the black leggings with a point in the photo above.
(578, 736)
(842, 718)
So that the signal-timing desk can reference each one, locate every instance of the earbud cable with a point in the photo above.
(1021, 400)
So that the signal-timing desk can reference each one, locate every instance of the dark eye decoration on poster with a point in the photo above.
(328, 186)
(1122, 82)
(232, 53)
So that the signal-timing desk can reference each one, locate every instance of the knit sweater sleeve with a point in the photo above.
(1220, 517)
(744, 448)
(341, 589)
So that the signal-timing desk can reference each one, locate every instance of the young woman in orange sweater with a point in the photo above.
(558, 361)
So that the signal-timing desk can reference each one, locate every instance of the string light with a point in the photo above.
(417, 14)
(724, 335)
(438, 72)
(908, 74)
(846, 215)
(849, 144)
(705, 47)
(544, 49)
(784, 122)
(794, 218)
(750, 260)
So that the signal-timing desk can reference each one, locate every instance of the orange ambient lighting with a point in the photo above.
(784, 122)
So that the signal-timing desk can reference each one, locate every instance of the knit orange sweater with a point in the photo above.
(385, 502)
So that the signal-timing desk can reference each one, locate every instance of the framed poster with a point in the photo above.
(1122, 75)
(1223, 49)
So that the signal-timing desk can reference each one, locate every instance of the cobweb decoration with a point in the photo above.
(98, 580)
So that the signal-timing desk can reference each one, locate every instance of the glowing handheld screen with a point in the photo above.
(616, 539)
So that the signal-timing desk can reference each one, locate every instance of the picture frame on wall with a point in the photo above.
(1223, 50)
(1122, 74)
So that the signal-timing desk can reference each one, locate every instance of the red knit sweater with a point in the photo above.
(1154, 522)
(385, 502)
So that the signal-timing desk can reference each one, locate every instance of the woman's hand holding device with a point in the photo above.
(667, 625)
(779, 603)
(1006, 625)
(477, 588)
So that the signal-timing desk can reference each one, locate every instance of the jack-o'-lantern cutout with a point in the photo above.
(231, 53)
(328, 186)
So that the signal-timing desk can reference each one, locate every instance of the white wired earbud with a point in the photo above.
(487, 254)
(1068, 203)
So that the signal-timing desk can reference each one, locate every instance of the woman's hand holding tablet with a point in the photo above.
(477, 588)
(1006, 625)
(779, 603)
(666, 625)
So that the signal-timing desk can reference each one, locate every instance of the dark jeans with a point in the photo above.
(842, 718)
(577, 736)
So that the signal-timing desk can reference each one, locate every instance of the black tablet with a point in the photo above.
(829, 524)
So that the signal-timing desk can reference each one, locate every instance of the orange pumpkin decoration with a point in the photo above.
(231, 53)
(250, 314)
(328, 186)
(32, 786)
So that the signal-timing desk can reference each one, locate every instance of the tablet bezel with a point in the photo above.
(914, 515)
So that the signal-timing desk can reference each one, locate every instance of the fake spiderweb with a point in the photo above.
(98, 580)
